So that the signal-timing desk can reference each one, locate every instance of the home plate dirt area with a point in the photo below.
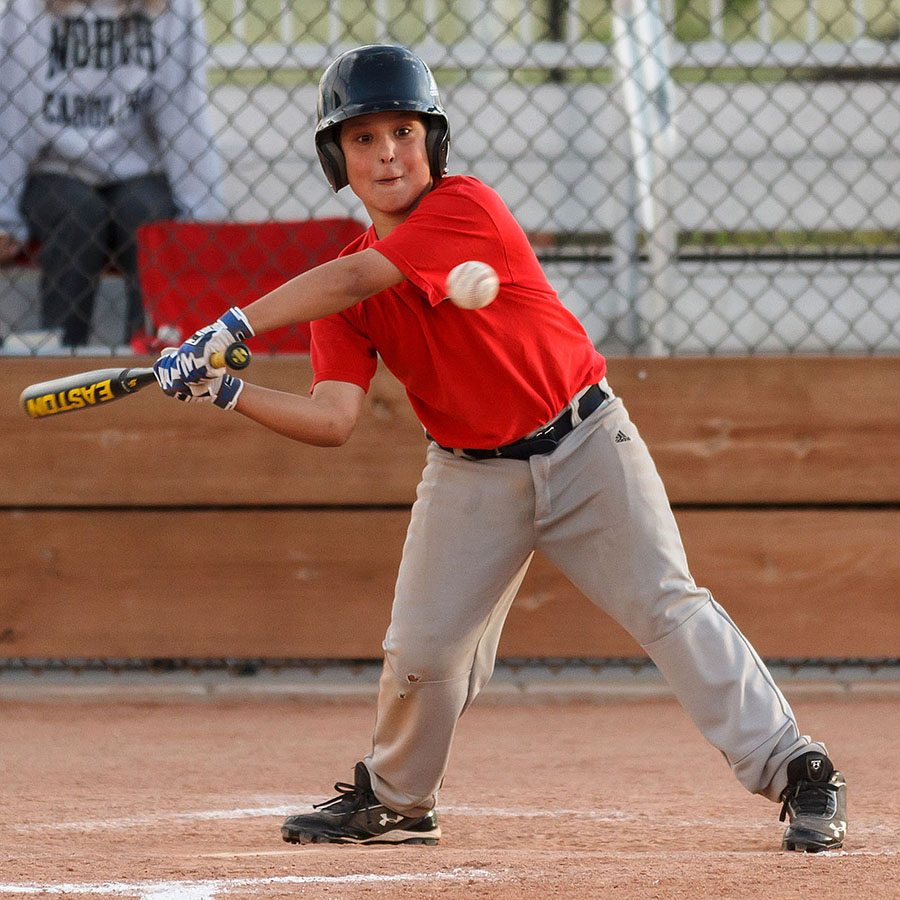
(184, 801)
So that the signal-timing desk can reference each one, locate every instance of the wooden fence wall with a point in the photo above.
(151, 529)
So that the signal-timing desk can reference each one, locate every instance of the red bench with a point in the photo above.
(191, 272)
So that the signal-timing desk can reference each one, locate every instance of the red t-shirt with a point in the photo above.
(475, 378)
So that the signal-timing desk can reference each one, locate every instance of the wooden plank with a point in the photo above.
(769, 430)
(722, 430)
(150, 450)
(316, 584)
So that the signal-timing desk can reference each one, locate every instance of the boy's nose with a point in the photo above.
(387, 151)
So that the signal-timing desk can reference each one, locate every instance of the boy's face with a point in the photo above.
(387, 165)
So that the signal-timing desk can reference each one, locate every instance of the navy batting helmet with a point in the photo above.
(378, 78)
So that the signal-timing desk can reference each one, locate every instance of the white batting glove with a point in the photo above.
(189, 364)
(222, 391)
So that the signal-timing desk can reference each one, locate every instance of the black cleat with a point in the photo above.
(356, 816)
(815, 802)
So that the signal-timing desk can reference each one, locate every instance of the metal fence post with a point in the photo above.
(646, 88)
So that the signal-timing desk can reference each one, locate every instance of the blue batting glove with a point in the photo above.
(235, 323)
(226, 396)
(190, 364)
(177, 370)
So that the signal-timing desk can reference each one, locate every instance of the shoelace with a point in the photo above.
(808, 798)
(353, 799)
(347, 793)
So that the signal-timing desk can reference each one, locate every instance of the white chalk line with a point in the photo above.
(210, 888)
(261, 812)
(484, 812)
(210, 815)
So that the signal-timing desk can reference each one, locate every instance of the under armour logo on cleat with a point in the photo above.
(389, 820)
(621, 437)
(815, 765)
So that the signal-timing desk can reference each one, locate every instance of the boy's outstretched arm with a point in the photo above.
(326, 418)
(329, 288)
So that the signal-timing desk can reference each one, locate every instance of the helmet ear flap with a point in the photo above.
(437, 145)
(332, 159)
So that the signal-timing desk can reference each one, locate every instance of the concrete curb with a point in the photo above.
(336, 684)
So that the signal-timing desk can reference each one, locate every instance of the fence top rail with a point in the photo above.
(470, 54)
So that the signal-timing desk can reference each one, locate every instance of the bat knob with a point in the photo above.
(237, 356)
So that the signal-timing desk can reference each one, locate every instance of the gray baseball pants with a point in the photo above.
(597, 508)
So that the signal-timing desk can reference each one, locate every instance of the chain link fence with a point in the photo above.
(698, 177)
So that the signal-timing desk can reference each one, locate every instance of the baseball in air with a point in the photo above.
(472, 285)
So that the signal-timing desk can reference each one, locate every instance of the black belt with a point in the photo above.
(546, 439)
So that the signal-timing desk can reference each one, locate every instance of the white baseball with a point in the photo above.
(472, 285)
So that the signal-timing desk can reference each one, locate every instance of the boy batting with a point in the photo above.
(529, 449)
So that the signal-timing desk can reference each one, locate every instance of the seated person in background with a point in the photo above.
(107, 129)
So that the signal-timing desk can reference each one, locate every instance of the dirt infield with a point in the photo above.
(626, 800)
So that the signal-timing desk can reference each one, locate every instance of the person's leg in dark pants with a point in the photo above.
(133, 203)
(70, 219)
